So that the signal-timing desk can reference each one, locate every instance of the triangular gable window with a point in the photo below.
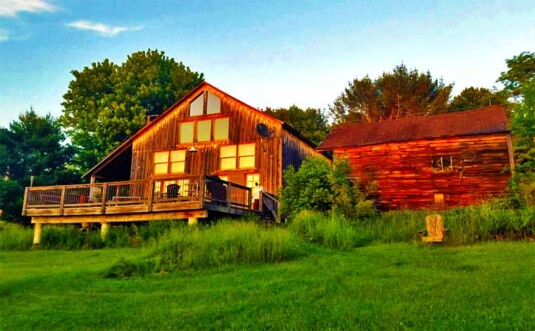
(205, 104)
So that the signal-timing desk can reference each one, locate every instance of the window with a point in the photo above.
(442, 163)
(221, 129)
(169, 162)
(201, 131)
(246, 156)
(196, 106)
(213, 104)
(204, 130)
(160, 162)
(186, 132)
(199, 107)
(253, 179)
(228, 157)
(237, 156)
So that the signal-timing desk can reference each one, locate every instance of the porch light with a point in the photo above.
(192, 149)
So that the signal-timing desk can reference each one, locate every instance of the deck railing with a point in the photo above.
(173, 193)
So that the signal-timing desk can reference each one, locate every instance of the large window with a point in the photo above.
(170, 162)
(205, 104)
(204, 131)
(237, 156)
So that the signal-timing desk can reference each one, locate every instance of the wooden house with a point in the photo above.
(445, 160)
(207, 153)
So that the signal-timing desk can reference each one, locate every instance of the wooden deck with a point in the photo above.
(141, 200)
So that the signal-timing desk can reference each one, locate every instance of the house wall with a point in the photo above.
(406, 178)
(295, 150)
(164, 135)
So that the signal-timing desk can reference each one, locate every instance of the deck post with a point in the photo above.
(151, 194)
(37, 230)
(104, 227)
(192, 221)
(62, 199)
(104, 197)
(25, 200)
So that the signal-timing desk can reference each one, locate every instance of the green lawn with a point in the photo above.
(396, 286)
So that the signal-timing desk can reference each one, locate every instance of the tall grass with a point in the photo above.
(224, 243)
(14, 237)
(468, 225)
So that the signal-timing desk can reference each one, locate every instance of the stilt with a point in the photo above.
(192, 221)
(104, 227)
(37, 229)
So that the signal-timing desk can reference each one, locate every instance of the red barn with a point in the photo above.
(452, 159)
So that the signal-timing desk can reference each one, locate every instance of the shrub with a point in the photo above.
(320, 186)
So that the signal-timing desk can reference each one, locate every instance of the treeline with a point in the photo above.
(106, 103)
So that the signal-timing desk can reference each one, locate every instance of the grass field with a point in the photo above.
(488, 286)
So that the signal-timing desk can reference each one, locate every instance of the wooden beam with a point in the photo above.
(37, 230)
(104, 228)
(200, 213)
(510, 150)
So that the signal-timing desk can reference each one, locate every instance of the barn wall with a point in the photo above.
(164, 135)
(406, 178)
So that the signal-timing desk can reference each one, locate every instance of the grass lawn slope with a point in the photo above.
(488, 286)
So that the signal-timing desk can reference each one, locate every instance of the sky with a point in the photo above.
(265, 53)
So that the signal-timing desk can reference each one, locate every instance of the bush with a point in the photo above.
(320, 186)
(14, 237)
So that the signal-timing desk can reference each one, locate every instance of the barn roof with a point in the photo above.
(479, 121)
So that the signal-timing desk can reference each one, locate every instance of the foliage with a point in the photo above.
(476, 97)
(32, 146)
(107, 103)
(401, 93)
(523, 128)
(311, 122)
(521, 70)
(320, 186)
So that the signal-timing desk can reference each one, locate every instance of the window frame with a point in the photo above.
(169, 162)
(205, 104)
(237, 157)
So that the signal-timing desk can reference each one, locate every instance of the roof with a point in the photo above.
(128, 143)
(479, 121)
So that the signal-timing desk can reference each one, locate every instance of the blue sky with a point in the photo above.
(265, 53)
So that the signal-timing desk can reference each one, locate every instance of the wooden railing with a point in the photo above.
(269, 204)
(174, 193)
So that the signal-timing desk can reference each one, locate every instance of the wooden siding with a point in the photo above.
(164, 135)
(295, 150)
(406, 178)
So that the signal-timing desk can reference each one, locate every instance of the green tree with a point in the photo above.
(311, 122)
(34, 146)
(321, 186)
(521, 70)
(523, 128)
(475, 97)
(397, 94)
(106, 103)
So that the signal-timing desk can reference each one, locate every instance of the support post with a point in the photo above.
(37, 230)
(104, 227)
(192, 221)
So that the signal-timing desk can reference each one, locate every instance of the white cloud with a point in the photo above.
(13, 7)
(102, 29)
(3, 35)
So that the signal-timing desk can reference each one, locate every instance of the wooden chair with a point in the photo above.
(434, 229)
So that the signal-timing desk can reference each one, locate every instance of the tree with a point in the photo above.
(106, 103)
(321, 186)
(34, 146)
(475, 97)
(312, 123)
(397, 94)
(523, 128)
(521, 70)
